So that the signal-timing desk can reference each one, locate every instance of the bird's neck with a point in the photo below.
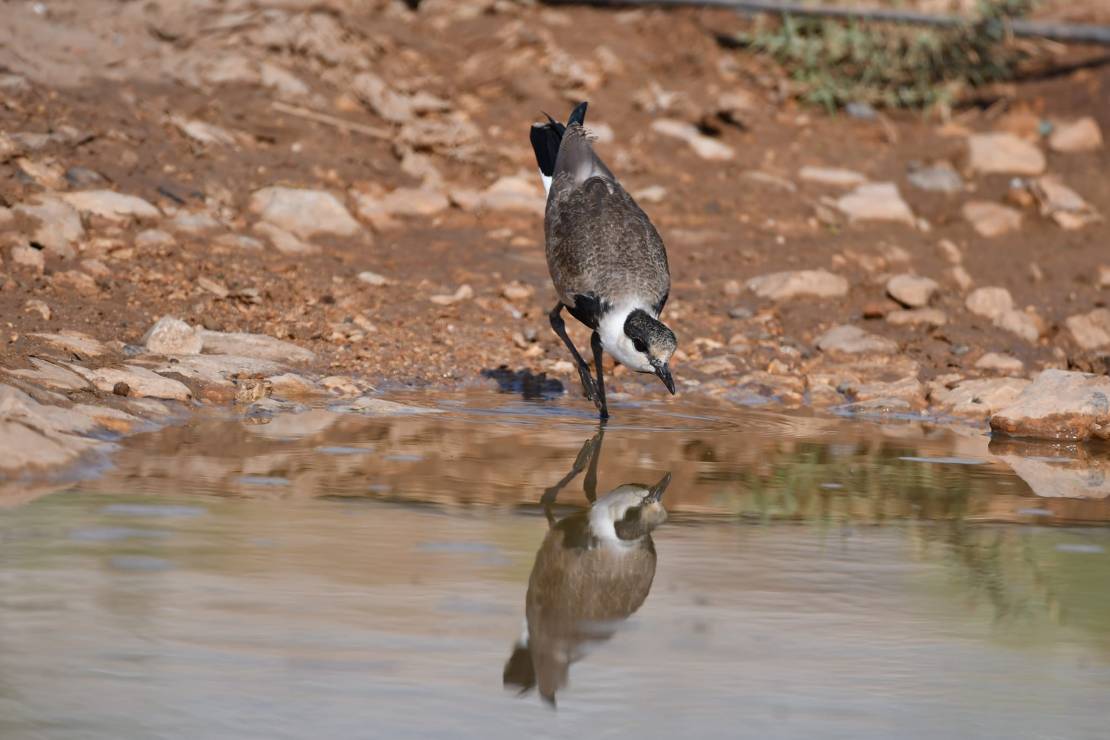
(616, 342)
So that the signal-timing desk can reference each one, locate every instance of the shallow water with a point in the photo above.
(339, 575)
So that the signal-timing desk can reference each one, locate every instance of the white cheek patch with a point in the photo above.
(546, 183)
(617, 343)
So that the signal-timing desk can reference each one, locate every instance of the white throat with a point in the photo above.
(617, 343)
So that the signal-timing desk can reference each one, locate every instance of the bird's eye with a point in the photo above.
(639, 345)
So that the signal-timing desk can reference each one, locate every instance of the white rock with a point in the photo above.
(1000, 362)
(991, 219)
(153, 238)
(257, 346)
(74, 341)
(1083, 135)
(463, 293)
(204, 133)
(515, 193)
(51, 375)
(1026, 325)
(302, 212)
(401, 202)
(283, 241)
(1090, 330)
(141, 382)
(990, 302)
(779, 286)
(650, 194)
(194, 222)
(1059, 405)
(172, 336)
(111, 205)
(877, 201)
(1004, 153)
(847, 339)
(291, 385)
(59, 224)
(704, 146)
(219, 369)
(917, 316)
(939, 178)
(912, 291)
(27, 256)
(979, 397)
(373, 278)
(832, 176)
(961, 277)
(1062, 204)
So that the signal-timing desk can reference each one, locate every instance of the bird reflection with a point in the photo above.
(593, 570)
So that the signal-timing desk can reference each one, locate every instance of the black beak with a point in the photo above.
(664, 374)
(656, 492)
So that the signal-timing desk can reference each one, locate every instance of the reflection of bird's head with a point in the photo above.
(629, 512)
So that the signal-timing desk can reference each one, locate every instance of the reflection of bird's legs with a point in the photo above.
(586, 455)
(589, 485)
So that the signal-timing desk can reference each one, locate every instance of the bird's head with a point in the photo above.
(653, 342)
(631, 511)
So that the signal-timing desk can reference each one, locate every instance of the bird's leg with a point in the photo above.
(560, 328)
(588, 452)
(595, 342)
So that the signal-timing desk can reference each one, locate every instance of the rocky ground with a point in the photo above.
(205, 201)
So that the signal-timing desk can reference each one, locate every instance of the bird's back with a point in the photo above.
(600, 243)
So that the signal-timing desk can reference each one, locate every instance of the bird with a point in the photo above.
(593, 570)
(607, 261)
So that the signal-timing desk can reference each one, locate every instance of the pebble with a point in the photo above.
(373, 278)
(1062, 204)
(1059, 405)
(74, 341)
(950, 252)
(979, 397)
(153, 238)
(75, 280)
(258, 346)
(201, 132)
(832, 176)
(740, 312)
(283, 241)
(281, 81)
(51, 375)
(704, 146)
(36, 306)
(111, 205)
(990, 302)
(195, 223)
(1090, 330)
(961, 277)
(1004, 153)
(879, 201)
(779, 286)
(991, 219)
(172, 336)
(382, 407)
(650, 194)
(288, 385)
(464, 292)
(912, 291)
(141, 382)
(1104, 276)
(917, 316)
(852, 340)
(27, 256)
(425, 201)
(303, 212)
(510, 193)
(1082, 135)
(1024, 324)
(940, 177)
(59, 224)
(1000, 362)
(517, 291)
(84, 178)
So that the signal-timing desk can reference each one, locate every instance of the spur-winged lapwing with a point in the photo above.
(594, 570)
(606, 259)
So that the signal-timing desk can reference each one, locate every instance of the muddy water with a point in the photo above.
(342, 575)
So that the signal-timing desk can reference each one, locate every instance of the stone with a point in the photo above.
(912, 291)
(46, 173)
(73, 341)
(201, 132)
(96, 268)
(464, 292)
(704, 146)
(917, 317)
(291, 385)
(1062, 204)
(990, 302)
(59, 224)
(153, 239)
(373, 278)
(1090, 330)
(852, 340)
(76, 281)
(832, 176)
(25, 447)
(141, 382)
(980, 397)
(258, 346)
(1004, 153)
(172, 336)
(303, 212)
(51, 375)
(517, 291)
(401, 202)
(950, 252)
(281, 81)
(1059, 405)
(219, 370)
(381, 407)
(34, 305)
(940, 177)
(878, 201)
(1001, 363)
(195, 223)
(29, 257)
(515, 193)
(991, 219)
(1082, 135)
(111, 205)
(283, 241)
(778, 286)
(1052, 472)
(650, 194)
(718, 365)
(1024, 324)
(961, 277)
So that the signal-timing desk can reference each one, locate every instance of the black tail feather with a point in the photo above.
(546, 138)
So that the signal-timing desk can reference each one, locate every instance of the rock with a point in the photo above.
(47, 174)
(381, 407)
(201, 132)
(878, 201)
(283, 241)
(909, 390)
(991, 219)
(141, 382)
(980, 397)
(291, 385)
(517, 291)
(1062, 204)
(85, 179)
(912, 291)
(340, 385)
(961, 277)
(779, 286)
(220, 370)
(392, 105)
(153, 239)
(401, 202)
(258, 346)
(990, 302)
(704, 146)
(514, 193)
(766, 178)
(73, 341)
(1053, 472)
(917, 316)
(36, 306)
(950, 251)
(1001, 363)
(29, 257)
(196, 223)
(76, 281)
(373, 278)
(1090, 330)
(1026, 325)
(1059, 405)
(1082, 135)
(59, 224)
(111, 205)
(463, 293)
(832, 176)
(650, 194)
(51, 375)
(847, 339)
(303, 213)
(1004, 153)
(940, 177)
(214, 287)
(171, 336)
(718, 365)
(26, 448)
(281, 81)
